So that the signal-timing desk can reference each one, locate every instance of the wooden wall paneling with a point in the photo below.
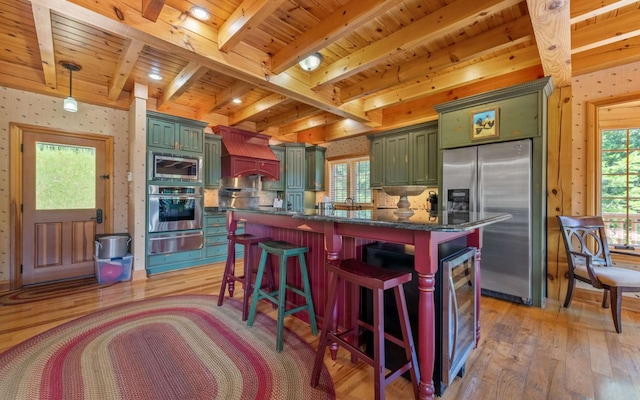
(559, 167)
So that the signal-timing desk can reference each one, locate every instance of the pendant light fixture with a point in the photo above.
(312, 62)
(70, 104)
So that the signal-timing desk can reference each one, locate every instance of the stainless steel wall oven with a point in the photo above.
(175, 218)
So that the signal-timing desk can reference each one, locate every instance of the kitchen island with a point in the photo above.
(341, 234)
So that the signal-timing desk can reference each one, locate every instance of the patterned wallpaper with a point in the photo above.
(33, 109)
(585, 88)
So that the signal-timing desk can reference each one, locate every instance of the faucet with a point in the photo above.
(347, 200)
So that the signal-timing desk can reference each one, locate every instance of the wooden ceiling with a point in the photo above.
(386, 62)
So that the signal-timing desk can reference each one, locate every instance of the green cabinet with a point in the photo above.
(295, 168)
(215, 239)
(407, 156)
(424, 157)
(397, 171)
(212, 153)
(166, 132)
(161, 134)
(376, 162)
(295, 164)
(277, 185)
(214, 248)
(315, 168)
(190, 139)
(296, 200)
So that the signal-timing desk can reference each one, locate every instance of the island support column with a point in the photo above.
(426, 265)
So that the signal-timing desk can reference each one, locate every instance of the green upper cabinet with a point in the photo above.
(191, 139)
(407, 156)
(277, 185)
(518, 116)
(397, 160)
(315, 168)
(295, 164)
(424, 157)
(376, 161)
(161, 134)
(166, 132)
(212, 153)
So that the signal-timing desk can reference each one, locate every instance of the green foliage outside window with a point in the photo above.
(65, 177)
(620, 185)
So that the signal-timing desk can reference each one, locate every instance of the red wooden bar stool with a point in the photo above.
(283, 250)
(249, 242)
(359, 274)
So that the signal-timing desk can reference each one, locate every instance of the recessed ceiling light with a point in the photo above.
(236, 101)
(155, 76)
(200, 13)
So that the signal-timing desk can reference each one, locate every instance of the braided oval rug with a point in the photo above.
(177, 347)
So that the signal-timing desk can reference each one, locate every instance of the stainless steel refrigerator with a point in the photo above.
(496, 178)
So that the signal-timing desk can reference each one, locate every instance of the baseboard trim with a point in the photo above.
(5, 286)
(139, 275)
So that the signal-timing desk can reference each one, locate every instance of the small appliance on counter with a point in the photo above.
(241, 192)
(433, 202)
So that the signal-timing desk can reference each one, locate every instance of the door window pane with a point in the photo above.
(65, 177)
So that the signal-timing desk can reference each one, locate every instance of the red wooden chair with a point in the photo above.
(590, 261)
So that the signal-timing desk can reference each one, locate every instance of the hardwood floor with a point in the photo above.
(524, 353)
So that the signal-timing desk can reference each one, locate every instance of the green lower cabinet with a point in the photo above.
(173, 261)
(214, 249)
(215, 239)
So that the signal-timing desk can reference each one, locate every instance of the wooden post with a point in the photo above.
(559, 169)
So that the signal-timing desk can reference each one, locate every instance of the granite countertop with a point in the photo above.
(421, 219)
(213, 211)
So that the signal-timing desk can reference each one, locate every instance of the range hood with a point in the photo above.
(246, 153)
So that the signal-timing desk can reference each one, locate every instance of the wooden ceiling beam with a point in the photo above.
(606, 31)
(181, 83)
(550, 20)
(127, 61)
(226, 96)
(453, 16)
(197, 42)
(494, 40)
(44, 32)
(420, 110)
(151, 9)
(514, 61)
(25, 78)
(299, 111)
(256, 108)
(313, 121)
(612, 55)
(582, 10)
(247, 16)
(339, 24)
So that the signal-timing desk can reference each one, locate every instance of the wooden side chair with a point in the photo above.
(589, 260)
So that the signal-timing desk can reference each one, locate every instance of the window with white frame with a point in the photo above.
(349, 179)
(620, 185)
